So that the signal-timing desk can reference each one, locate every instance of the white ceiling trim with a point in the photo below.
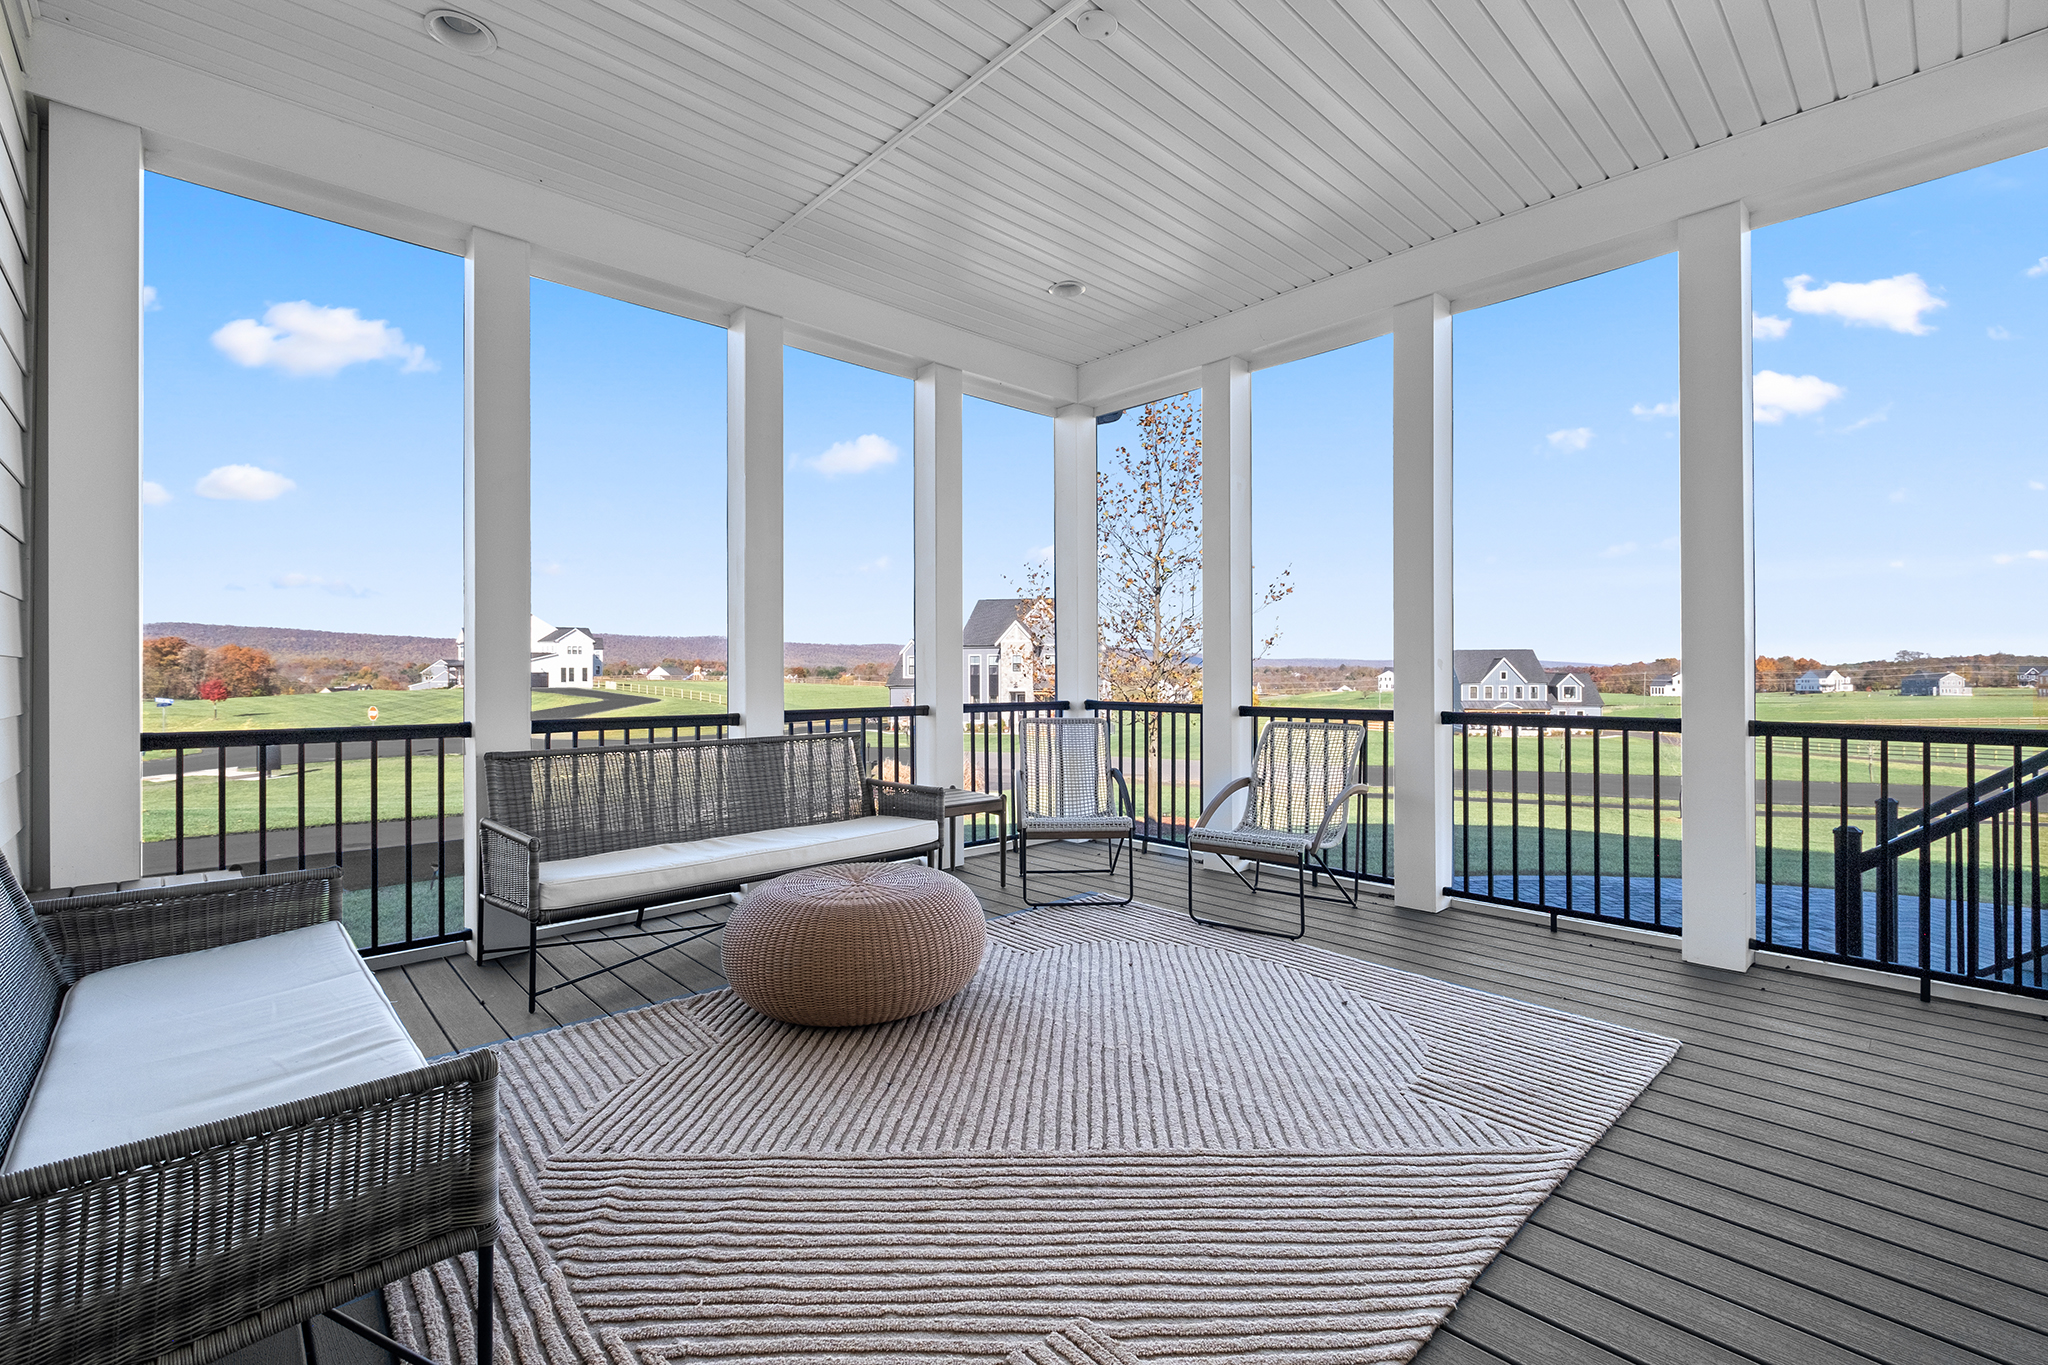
(1962, 114)
(229, 137)
(917, 125)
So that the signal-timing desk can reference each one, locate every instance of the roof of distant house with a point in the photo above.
(990, 618)
(564, 632)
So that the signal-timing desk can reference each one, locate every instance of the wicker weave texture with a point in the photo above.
(32, 982)
(1064, 782)
(93, 933)
(1300, 768)
(857, 943)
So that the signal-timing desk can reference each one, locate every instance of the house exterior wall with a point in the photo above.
(17, 323)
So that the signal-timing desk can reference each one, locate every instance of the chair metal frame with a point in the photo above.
(1306, 853)
(1101, 822)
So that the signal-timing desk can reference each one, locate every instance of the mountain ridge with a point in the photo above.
(287, 642)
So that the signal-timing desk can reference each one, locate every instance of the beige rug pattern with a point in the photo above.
(1130, 1139)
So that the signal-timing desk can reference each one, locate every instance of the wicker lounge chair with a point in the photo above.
(188, 1245)
(1067, 788)
(584, 834)
(1304, 774)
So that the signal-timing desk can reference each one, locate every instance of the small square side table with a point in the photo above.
(959, 803)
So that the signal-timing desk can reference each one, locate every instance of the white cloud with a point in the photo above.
(1883, 414)
(243, 483)
(2039, 267)
(1896, 303)
(314, 581)
(551, 567)
(149, 303)
(1898, 495)
(303, 339)
(857, 456)
(1042, 554)
(1656, 409)
(155, 494)
(1626, 547)
(1765, 327)
(1775, 395)
(879, 564)
(1572, 438)
(2037, 485)
(1898, 563)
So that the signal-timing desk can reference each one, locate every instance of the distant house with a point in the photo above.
(442, 673)
(1668, 685)
(568, 657)
(1386, 680)
(2032, 677)
(1574, 693)
(1928, 683)
(657, 674)
(903, 676)
(1834, 680)
(999, 651)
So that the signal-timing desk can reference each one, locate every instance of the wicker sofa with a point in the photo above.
(577, 834)
(216, 1127)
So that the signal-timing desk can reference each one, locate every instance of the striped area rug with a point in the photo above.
(1130, 1139)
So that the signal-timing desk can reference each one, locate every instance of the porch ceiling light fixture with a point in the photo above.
(464, 32)
(1067, 289)
(1097, 24)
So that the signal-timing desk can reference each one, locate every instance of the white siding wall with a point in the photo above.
(15, 294)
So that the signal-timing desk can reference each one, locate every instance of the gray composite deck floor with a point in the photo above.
(1828, 1172)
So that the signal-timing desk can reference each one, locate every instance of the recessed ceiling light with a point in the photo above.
(1097, 24)
(463, 32)
(1067, 289)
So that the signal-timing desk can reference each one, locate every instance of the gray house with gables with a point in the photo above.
(1516, 680)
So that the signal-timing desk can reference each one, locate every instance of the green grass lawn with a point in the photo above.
(1367, 701)
(203, 795)
(312, 711)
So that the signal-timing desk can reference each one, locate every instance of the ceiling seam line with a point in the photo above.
(904, 134)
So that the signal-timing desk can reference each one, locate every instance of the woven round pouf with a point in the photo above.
(855, 943)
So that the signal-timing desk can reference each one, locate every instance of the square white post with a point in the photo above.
(1226, 578)
(1074, 549)
(497, 542)
(86, 770)
(939, 618)
(1422, 602)
(753, 520)
(1717, 592)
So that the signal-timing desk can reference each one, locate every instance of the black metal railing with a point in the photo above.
(1567, 814)
(1367, 852)
(655, 729)
(989, 757)
(1157, 745)
(889, 733)
(1912, 849)
(377, 800)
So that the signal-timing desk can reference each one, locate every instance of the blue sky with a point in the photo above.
(303, 448)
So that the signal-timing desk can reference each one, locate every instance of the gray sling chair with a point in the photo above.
(1304, 774)
(1063, 790)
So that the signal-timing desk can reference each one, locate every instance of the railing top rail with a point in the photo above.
(1541, 720)
(1317, 713)
(1903, 734)
(1191, 708)
(854, 712)
(587, 724)
(979, 708)
(160, 740)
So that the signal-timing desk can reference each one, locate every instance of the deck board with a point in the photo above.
(1829, 1170)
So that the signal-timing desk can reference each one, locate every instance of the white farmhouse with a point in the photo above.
(1833, 680)
(567, 657)
(903, 677)
(1386, 680)
(999, 651)
(1668, 685)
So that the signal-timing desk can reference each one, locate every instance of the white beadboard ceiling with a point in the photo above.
(1211, 155)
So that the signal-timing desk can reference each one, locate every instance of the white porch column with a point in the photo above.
(1422, 602)
(1074, 556)
(939, 615)
(753, 520)
(86, 662)
(1717, 636)
(1226, 578)
(497, 541)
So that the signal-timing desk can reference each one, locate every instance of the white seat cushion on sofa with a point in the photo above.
(636, 873)
(153, 1047)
